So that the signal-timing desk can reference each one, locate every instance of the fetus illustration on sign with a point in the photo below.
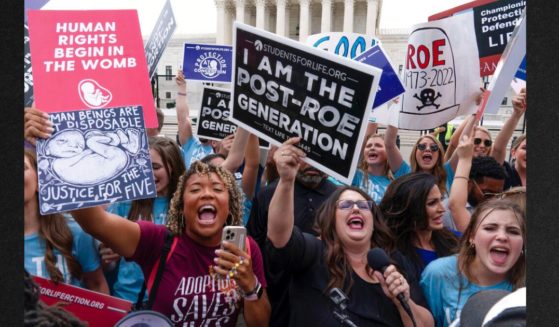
(93, 94)
(92, 157)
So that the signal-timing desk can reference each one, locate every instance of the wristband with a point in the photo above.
(181, 93)
(255, 294)
(464, 177)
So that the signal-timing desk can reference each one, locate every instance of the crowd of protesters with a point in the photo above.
(452, 224)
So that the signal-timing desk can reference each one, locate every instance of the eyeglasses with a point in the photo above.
(487, 143)
(433, 147)
(348, 204)
(487, 195)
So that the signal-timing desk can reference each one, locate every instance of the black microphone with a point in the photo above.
(378, 260)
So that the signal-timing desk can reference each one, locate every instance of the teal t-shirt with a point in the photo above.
(375, 186)
(194, 150)
(83, 249)
(447, 167)
(130, 277)
(447, 290)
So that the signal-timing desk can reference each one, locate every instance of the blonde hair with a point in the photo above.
(175, 218)
(483, 129)
(365, 167)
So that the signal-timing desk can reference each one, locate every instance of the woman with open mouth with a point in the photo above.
(168, 166)
(350, 225)
(427, 155)
(202, 283)
(373, 174)
(413, 209)
(491, 256)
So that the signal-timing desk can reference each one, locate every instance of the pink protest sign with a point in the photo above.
(89, 59)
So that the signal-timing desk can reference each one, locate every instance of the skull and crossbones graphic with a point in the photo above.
(427, 98)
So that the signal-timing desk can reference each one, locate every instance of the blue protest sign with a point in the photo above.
(390, 85)
(94, 157)
(207, 62)
(32, 4)
(160, 36)
(521, 72)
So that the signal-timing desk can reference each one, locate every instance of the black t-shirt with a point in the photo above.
(512, 178)
(303, 257)
(306, 203)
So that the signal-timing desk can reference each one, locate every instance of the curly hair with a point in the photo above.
(173, 163)
(438, 171)
(175, 219)
(36, 313)
(403, 208)
(339, 267)
(54, 231)
(485, 166)
(467, 254)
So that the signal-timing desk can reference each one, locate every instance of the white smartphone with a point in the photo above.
(236, 235)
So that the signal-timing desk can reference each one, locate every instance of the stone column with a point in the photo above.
(240, 7)
(304, 19)
(326, 20)
(261, 13)
(372, 10)
(281, 6)
(228, 33)
(220, 28)
(348, 16)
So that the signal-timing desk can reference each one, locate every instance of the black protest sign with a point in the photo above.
(213, 116)
(283, 88)
(494, 23)
(160, 36)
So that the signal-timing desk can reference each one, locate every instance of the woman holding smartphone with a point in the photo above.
(197, 271)
(202, 283)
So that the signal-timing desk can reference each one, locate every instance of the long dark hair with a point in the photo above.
(173, 163)
(403, 208)
(54, 230)
(338, 266)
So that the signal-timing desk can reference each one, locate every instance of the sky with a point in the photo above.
(199, 16)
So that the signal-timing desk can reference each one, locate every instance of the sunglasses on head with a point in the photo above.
(361, 204)
(433, 146)
(487, 143)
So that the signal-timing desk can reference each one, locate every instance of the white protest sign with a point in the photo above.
(441, 73)
(507, 66)
(348, 45)
(283, 88)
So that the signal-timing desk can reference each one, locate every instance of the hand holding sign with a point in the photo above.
(519, 103)
(37, 125)
(288, 158)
